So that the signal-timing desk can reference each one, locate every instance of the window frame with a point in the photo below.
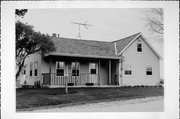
(149, 69)
(139, 47)
(128, 71)
(91, 67)
(35, 69)
(60, 68)
(31, 69)
(76, 68)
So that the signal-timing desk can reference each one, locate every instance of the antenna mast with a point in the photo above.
(81, 24)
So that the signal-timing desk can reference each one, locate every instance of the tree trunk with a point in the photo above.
(20, 68)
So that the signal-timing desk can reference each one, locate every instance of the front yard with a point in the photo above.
(32, 98)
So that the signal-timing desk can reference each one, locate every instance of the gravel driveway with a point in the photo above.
(152, 104)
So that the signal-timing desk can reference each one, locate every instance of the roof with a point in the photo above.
(91, 48)
(84, 47)
(123, 43)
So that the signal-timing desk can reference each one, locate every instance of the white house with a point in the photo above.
(128, 61)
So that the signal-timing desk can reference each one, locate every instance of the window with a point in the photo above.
(127, 69)
(75, 68)
(127, 72)
(35, 69)
(93, 68)
(60, 68)
(31, 68)
(24, 70)
(148, 70)
(139, 47)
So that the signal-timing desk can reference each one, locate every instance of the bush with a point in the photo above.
(70, 84)
(89, 84)
(26, 86)
(37, 84)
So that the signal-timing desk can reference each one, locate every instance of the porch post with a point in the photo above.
(99, 72)
(109, 72)
(75, 72)
(117, 70)
(50, 69)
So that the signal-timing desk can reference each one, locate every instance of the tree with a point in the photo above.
(154, 19)
(20, 12)
(29, 42)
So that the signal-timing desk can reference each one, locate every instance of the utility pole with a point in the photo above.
(81, 24)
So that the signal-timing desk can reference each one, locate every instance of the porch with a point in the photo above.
(80, 80)
(79, 71)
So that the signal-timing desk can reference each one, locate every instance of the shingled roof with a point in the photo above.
(89, 47)
(122, 43)
(84, 47)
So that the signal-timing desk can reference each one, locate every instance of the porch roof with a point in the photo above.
(83, 56)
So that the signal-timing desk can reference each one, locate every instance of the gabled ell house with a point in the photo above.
(126, 62)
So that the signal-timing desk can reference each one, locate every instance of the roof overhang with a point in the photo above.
(82, 56)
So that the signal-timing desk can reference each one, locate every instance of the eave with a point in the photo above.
(82, 56)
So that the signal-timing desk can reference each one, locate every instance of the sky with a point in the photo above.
(107, 24)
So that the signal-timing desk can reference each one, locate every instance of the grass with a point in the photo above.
(32, 98)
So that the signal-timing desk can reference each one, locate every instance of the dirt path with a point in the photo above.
(153, 104)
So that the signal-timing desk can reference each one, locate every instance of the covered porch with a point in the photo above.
(80, 71)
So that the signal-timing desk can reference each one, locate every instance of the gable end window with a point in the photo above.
(60, 68)
(31, 69)
(148, 70)
(139, 47)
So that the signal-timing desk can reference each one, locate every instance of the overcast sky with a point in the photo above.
(108, 24)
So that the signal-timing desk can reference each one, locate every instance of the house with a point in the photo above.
(128, 61)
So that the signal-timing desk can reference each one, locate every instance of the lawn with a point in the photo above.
(32, 98)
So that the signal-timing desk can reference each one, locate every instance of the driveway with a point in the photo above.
(152, 104)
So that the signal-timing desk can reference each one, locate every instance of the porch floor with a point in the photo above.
(83, 86)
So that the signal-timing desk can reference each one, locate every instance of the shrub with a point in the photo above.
(89, 84)
(37, 84)
(70, 84)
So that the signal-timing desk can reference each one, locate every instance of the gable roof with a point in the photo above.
(123, 43)
(90, 48)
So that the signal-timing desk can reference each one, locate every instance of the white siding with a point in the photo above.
(33, 58)
(138, 63)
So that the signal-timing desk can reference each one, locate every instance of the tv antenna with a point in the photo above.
(81, 24)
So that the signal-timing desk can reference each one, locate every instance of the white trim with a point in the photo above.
(129, 44)
(82, 56)
(141, 48)
(151, 47)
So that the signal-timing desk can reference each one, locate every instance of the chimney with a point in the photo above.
(58, 35)
(54, 35)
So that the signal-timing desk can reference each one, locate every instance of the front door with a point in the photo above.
(93, 73)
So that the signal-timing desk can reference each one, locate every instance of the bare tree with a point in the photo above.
(154, 19)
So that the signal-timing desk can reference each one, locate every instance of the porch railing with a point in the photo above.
(60, 79)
